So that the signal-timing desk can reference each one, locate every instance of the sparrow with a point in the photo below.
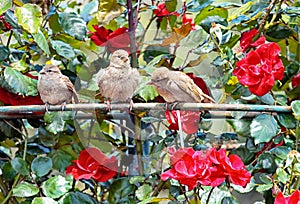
(176, 86)
(119, 80)
(54, 87)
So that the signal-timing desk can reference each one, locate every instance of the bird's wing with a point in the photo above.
(186, 84)
(71, 87)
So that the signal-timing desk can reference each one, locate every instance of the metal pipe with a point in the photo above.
(148, 106)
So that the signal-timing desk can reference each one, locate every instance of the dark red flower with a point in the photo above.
(260, 68)
(246, 40)
(113, 40)
(6, 25)
(212, 168)
(296, 80)
(189, 120)
(292, 199)
(92, 163)
(162, 11)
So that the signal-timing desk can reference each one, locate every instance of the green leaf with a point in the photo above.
(25, 189)
(120, 189)
(60, 159)
(29, 17)
(143, 191)
(77, 197)
(4, 52)
(145, 91)
(20, 166)
(281, 152)
(171, 5)
(57, 121)
(56, 186)
(210, 11)
(283, 176)
(73, 25)
(41, 41)
(19, 83)
(279, 31)
(241, 127)
(54, 23)
(296, 109)
(287, 120)
(198, 5)
(9, 173)
(63, 49)
(206, 24)
(5, 5)
(43, 200)
(264, 187)
(41, 165)
(263, 128)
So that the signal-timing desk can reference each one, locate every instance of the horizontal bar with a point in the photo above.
(148, 106)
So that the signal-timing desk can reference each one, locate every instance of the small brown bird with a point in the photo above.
(119, 80)
(176, 86)
(54, 87)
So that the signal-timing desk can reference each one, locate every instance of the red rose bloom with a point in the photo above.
(231, 167)
(162, 11)
(189, 167)
(212, 168)
(246, 40)
(296, 80)
(189, 120)
(292, 199)
(260, 68)
(114, 40)
(92, 163)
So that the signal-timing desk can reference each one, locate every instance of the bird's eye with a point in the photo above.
(49, 70)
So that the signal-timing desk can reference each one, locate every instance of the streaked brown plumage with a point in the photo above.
(119, 80)
(176, 86)
(54, 87)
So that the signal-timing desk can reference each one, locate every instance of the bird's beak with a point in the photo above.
(124, 59)
(42, 71)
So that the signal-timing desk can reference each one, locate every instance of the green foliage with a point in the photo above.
(36, 152)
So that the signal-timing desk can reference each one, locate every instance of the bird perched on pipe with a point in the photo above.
(174, 87)
(119, 80)
(54, 87)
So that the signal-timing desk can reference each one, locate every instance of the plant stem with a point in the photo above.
(184, 194)
(131, 30)
(264, 20)
(139, 145)
(209, 195)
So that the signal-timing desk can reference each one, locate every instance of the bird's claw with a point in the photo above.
(131, 105)
(63, 106)
(108, 108)
(47, 106)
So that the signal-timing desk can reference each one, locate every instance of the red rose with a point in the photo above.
(92, 163)
(292, 199)
(246, 40)
(260, 68)
(188, 167)
(162, 11)
(114, 40)
(189, 120)
(212, 168)
(231, 167)
(296, 80)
